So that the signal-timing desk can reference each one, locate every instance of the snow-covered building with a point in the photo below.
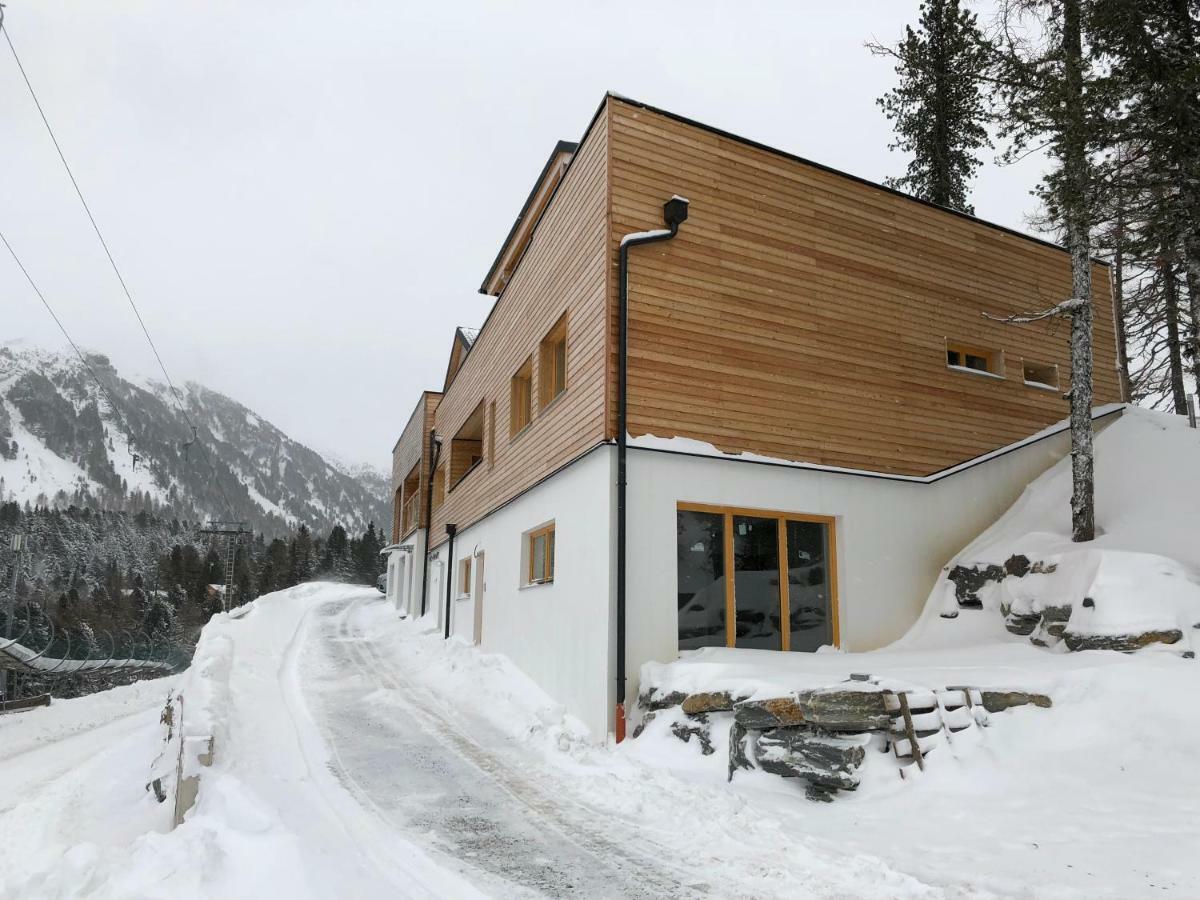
(725, 396)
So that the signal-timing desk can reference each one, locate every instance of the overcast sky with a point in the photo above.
(304, 197)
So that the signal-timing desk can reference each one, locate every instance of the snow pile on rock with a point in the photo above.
(1136, 586)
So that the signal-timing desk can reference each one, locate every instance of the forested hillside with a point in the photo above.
(101, 583)
(65, 441)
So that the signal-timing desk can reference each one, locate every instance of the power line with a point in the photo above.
(112, 262)
(61, 327)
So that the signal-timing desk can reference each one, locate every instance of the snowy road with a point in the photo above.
(361, 756)
(420, 773)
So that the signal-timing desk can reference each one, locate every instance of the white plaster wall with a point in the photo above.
(893, 537)
(559, 634)
(404, 575)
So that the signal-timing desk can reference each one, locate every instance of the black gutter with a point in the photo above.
(451, 530)
(435, 450)
(675, 211)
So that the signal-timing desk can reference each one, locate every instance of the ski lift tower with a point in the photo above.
(228, 536)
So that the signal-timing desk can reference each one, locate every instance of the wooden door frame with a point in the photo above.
(479, 589)
(782, 518)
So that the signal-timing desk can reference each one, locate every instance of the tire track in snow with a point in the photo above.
(408, 871)
(506, 825)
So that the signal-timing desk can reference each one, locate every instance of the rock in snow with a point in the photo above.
(1125, 643)
(829, 761)
(997, 701)
(831, 709)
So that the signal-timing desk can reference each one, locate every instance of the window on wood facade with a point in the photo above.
(976, 359)
(466, 449)
(539, 553)
(1038, 374)
(491, 434)
(439, 488)
(552, 363)
(412, 500)
(521, 400)
(464, 577)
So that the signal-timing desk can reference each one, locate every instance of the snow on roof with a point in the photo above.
(469, 334)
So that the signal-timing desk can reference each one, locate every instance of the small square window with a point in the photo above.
(977, 359)
(539, 551)
(1043, 375)
(464, 577)
(521, 398)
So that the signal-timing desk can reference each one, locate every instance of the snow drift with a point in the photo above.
(1141, 576)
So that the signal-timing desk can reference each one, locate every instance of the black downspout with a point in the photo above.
(675, 211)
(451, 530)
(435, 450)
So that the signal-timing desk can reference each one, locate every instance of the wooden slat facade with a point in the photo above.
(804, 315)
(799, 314)
(561, 271)
(411, 449)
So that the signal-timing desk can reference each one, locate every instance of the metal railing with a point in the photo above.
(59, 655)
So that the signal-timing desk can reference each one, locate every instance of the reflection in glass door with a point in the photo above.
(761, 580)
(756, 583)
(809, 600)
(700, 541)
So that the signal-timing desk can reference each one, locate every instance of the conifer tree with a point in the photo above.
(1051, 98)
(1154, 50)
(938, 108)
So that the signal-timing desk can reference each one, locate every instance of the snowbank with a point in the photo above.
(1141, 574)
(270, 819)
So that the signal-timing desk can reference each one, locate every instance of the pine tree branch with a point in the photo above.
(1066, 308)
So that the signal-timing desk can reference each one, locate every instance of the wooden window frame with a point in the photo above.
(439, 488)
(464, 576)
(491, 435)
(411, 517)
(551, 544)
(520, 398)
(552, 384)
(782, 518)
(994, 359)
(1041, 385)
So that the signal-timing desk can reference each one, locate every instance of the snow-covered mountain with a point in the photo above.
(61, 442)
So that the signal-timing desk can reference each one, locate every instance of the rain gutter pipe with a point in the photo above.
(451, 530)
(675, 212)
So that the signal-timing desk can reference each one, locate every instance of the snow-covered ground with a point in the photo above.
(358, 755)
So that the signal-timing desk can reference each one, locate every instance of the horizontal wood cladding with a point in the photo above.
(410, 450)
(804, 315)
(562, 272)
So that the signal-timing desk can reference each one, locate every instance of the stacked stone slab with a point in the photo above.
(818, 736)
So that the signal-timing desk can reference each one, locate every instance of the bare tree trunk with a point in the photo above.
(1075, 165)
(1170, 295)
(1083, 513)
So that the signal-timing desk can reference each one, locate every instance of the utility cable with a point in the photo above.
(112, 262)
(61, 327)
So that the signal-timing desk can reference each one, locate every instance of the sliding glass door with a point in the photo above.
(755, 579)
